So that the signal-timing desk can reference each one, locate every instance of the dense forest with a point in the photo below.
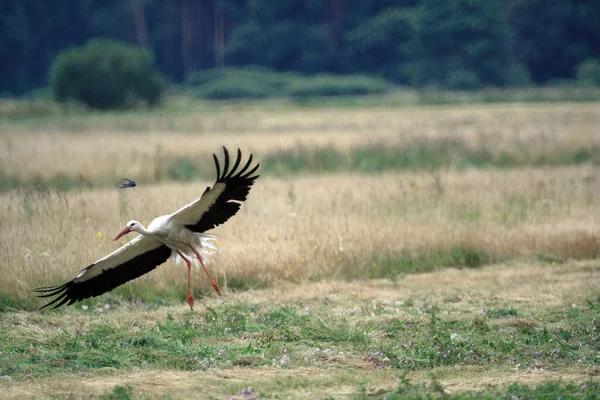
(450, 43)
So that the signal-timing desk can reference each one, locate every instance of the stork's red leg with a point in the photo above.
(214, 285)
(190, 299)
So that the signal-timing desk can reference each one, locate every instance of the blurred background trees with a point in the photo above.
(457, 44)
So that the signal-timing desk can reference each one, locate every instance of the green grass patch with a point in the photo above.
(9, 183)
(119, 393)
(15, 110)
(242, 283)
(541, 94)
(372, 158)
(336, 86)
(501, 313)
(360, 91)
(30, 114)
(259, 83)
(390, 266)
(8, 303)
(271, 80)
(61, 183)
(232, 88)
(295, 335)
(180, 169)
(195, 341)
(424, 155)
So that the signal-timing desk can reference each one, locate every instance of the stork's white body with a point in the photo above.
(168, 230)
(176, 236)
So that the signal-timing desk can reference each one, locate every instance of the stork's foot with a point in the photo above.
(214, 285)
(212, 282)
(190, 301)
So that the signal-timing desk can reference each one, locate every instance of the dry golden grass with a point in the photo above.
(310, 227)
(299, 229)
(99, 148)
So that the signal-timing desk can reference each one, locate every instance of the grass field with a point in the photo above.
(410, 252)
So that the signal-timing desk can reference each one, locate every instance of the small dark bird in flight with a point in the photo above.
(127, 184)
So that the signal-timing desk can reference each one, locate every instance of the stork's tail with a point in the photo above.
(206, 245)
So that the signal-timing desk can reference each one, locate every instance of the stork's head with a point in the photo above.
(132, 226)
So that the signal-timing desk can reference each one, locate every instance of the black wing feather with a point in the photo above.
(77, 290)
(237, 163)
(237, 186)
(225, 163)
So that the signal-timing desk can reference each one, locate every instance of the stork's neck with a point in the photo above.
(144, 231)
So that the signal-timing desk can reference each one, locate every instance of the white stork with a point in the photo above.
(180, 233)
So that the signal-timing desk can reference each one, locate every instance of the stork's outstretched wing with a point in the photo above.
(134, 259)
(222, 201)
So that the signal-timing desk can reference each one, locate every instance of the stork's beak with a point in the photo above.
(125, 231)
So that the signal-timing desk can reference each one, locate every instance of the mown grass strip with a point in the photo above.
(543, 391)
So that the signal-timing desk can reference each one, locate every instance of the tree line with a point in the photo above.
(445, 43)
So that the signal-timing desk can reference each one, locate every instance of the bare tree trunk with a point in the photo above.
(170, 20)
(207, 32)
(186, 37)
(219, 37)
(335, 22)
(139, 22)
(192, 28)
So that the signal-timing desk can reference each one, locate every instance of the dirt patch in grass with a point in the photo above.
(530, 285)
(469, 379)
(304, 383)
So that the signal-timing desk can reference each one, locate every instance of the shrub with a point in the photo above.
(518, 76)
(268, 78)
(588, 72)
(199, 78)
(256, 82)
(106, 74)
(329, 85)
(232, 88)
(462, 80)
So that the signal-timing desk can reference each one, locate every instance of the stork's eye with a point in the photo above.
(131, 225)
